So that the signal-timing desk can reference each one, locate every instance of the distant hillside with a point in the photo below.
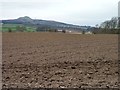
(44, 23)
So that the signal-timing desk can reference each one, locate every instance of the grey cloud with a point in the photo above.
(71, 11)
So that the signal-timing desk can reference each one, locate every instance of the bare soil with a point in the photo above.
(56, 60)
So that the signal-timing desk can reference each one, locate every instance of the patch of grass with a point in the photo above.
(6, 27)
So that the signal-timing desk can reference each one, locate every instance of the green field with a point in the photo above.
(6, 27)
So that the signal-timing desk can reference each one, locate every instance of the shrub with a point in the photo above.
(21, 28)
(9, 30)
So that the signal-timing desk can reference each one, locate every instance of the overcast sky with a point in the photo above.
(79, 12)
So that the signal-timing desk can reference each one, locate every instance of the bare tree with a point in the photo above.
(118, 22)
(113, 23)
(105, 25)
(110, 24)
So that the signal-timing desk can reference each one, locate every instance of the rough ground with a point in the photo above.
(56, 60)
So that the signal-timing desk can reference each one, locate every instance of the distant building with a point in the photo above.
(88, 32)
(59, 30)
(73, 32)
(68, 31)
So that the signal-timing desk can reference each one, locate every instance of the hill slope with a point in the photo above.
(43, 23)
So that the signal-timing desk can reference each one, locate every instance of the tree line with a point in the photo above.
(108, 27)
(18, 28)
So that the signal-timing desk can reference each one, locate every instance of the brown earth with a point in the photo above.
(56, 60)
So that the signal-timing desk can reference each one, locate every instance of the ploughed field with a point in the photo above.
(57, 60)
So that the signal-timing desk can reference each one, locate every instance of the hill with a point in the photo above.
(44, 23)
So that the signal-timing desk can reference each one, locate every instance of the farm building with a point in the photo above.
(88, 32)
